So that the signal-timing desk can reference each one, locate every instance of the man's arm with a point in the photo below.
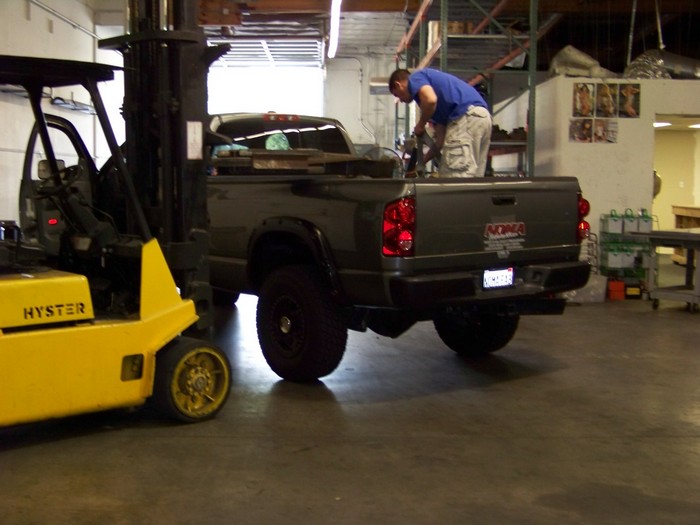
(438, 141)
(428, 103)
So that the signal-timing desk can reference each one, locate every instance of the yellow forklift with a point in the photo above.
(104, 280)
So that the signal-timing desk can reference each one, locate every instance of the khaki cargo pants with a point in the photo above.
(466, 148)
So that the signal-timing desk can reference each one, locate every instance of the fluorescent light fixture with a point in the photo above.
(694, 126)
(661, 124)
(335, 27)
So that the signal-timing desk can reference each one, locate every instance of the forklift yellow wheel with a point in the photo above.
(193, 380)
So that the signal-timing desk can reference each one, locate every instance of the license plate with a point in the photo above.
(498, 278)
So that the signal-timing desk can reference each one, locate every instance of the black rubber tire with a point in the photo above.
(301, 330)
(476, 335)
(192, 381)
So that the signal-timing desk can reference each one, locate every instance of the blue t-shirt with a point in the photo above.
(454, 95)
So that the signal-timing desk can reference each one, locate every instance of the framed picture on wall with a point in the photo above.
(581, 130)
(583, 99)
(606, 96)
(605, 131)
(630, 97)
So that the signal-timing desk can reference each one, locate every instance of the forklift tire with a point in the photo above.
(192, 380)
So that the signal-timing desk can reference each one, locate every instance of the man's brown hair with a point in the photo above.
(398, 76)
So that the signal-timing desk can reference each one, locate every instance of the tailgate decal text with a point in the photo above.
(504, 235)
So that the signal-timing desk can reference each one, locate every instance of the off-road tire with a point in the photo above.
(301, 330)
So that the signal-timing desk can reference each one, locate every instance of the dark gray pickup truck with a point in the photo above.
(330, 241)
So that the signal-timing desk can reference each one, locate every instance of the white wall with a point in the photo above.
(30, 30)
(26, 29)
(612, 176)
(368, 118)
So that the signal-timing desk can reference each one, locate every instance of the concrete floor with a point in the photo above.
(592, 417)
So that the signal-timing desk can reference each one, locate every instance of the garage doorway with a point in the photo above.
(677, 162)
(260, 89)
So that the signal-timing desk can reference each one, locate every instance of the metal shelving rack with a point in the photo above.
(475, 55)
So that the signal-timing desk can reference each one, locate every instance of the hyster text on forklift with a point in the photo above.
(106, 274)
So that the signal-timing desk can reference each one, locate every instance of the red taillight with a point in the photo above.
(52, 222)
(399, 228)
(584, 229)
(584, 207)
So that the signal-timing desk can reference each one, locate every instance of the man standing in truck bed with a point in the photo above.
(460, 115)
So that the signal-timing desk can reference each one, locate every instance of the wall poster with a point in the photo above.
(606, 97)
(580, 130)
(583, 99)
(605, 131)
(630, 95)
(596, 108)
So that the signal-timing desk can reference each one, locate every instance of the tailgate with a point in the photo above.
(481, 223)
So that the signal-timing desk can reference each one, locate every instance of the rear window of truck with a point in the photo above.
(284, 132)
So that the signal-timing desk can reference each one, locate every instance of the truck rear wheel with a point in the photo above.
(476, 335)
(193, 380)
(301, 330)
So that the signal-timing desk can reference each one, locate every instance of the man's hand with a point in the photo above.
(436, 142)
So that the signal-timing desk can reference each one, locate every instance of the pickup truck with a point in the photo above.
(330, 241)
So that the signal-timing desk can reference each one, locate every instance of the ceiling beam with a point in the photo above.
(229, 12)
(611, 7)
(324, 6)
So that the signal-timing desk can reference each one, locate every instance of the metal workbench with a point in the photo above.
(689, 292)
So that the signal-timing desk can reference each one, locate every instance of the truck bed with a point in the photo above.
(463, 227)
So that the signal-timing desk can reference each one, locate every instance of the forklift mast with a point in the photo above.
(166, 61)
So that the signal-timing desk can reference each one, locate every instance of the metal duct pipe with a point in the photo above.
(631, 35)
(681, 67)
(662, 46)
